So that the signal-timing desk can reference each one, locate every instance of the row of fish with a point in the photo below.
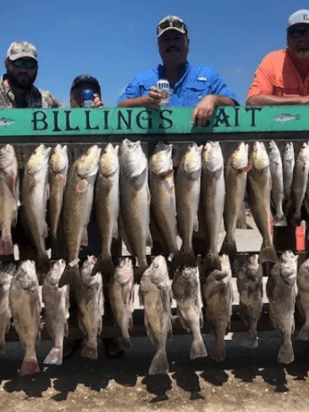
(20, 299)
(125, 188)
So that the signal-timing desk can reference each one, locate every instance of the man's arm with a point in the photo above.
(269, 100)
(151, 100)
(203, 112)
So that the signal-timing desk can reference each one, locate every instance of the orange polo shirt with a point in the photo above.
(276, 75)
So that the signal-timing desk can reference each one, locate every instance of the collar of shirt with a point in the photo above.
(184, 72)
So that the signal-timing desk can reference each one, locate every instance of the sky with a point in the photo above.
(115, 40)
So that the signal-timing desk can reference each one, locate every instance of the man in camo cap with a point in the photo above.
(17, 85)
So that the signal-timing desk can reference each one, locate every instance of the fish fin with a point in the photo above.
(198, 349)
(90, 351)
(103, 265)
(286, 353)
(84, 241)
(303, 334)
(67, 278)
(47, 191)
(149, 331)
(159, 363)
(81, 186)
(45, 231)
(29, 366)
(6, 245)
(268, 254)
(115, 231)
(148, 196)
(228, 247)
(149, 239)
(126, 292)
(183, 321)
(166, 298)
(54, 357)
(196, 225)
(280, 220)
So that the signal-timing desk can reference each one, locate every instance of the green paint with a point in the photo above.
(107, 121)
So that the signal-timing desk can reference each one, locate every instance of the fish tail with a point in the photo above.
(54, 357)
(159, 364)
(212, 261)
(29, 366)
(44, 263)
(286, 353)
(218, 351)
(103, 265)
(198, 349)
(126, 342)
(268, 254)
(250, 341)
(90, 350)
(181, 258)
(228, 247)
(67, 278)
(280, 220)
(303, 334)
(6, 245)
(296, 219)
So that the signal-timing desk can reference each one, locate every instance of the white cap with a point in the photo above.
(300, 16)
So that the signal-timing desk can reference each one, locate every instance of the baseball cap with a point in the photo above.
(171, 23)
(86, 78)
(19, 49)
(300, 16)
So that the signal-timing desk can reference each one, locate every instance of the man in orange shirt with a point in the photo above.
(283, 75)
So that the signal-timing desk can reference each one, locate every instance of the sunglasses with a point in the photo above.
(25, 64)
(178, 24)
(298, 33)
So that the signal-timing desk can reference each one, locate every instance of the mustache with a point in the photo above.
(172, 48)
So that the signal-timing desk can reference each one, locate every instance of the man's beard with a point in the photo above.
(21, 81)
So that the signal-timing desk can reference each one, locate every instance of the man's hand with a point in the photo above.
(203, 112)
(97, 102)
(153, 98)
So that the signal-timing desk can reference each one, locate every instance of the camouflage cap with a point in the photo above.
(171, 23)
(20, 49)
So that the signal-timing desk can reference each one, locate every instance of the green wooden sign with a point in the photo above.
(107, 121)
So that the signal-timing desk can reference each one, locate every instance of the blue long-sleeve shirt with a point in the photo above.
(195, 83)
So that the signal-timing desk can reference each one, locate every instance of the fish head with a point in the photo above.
(288, 265)
(212, 157)
(191, 160)
(59, 161)
(38, 159)
(239, 158)
(161, 161)
(124, 271)
(253, 260)
(26, 274)
(133, 161)
(259, 158)
(304, 152)
(88, 265)
(7, 156)
(56, 272)
(289, 151)
(109, 161)
(273, 152)
(158, 271)
(87, 164)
